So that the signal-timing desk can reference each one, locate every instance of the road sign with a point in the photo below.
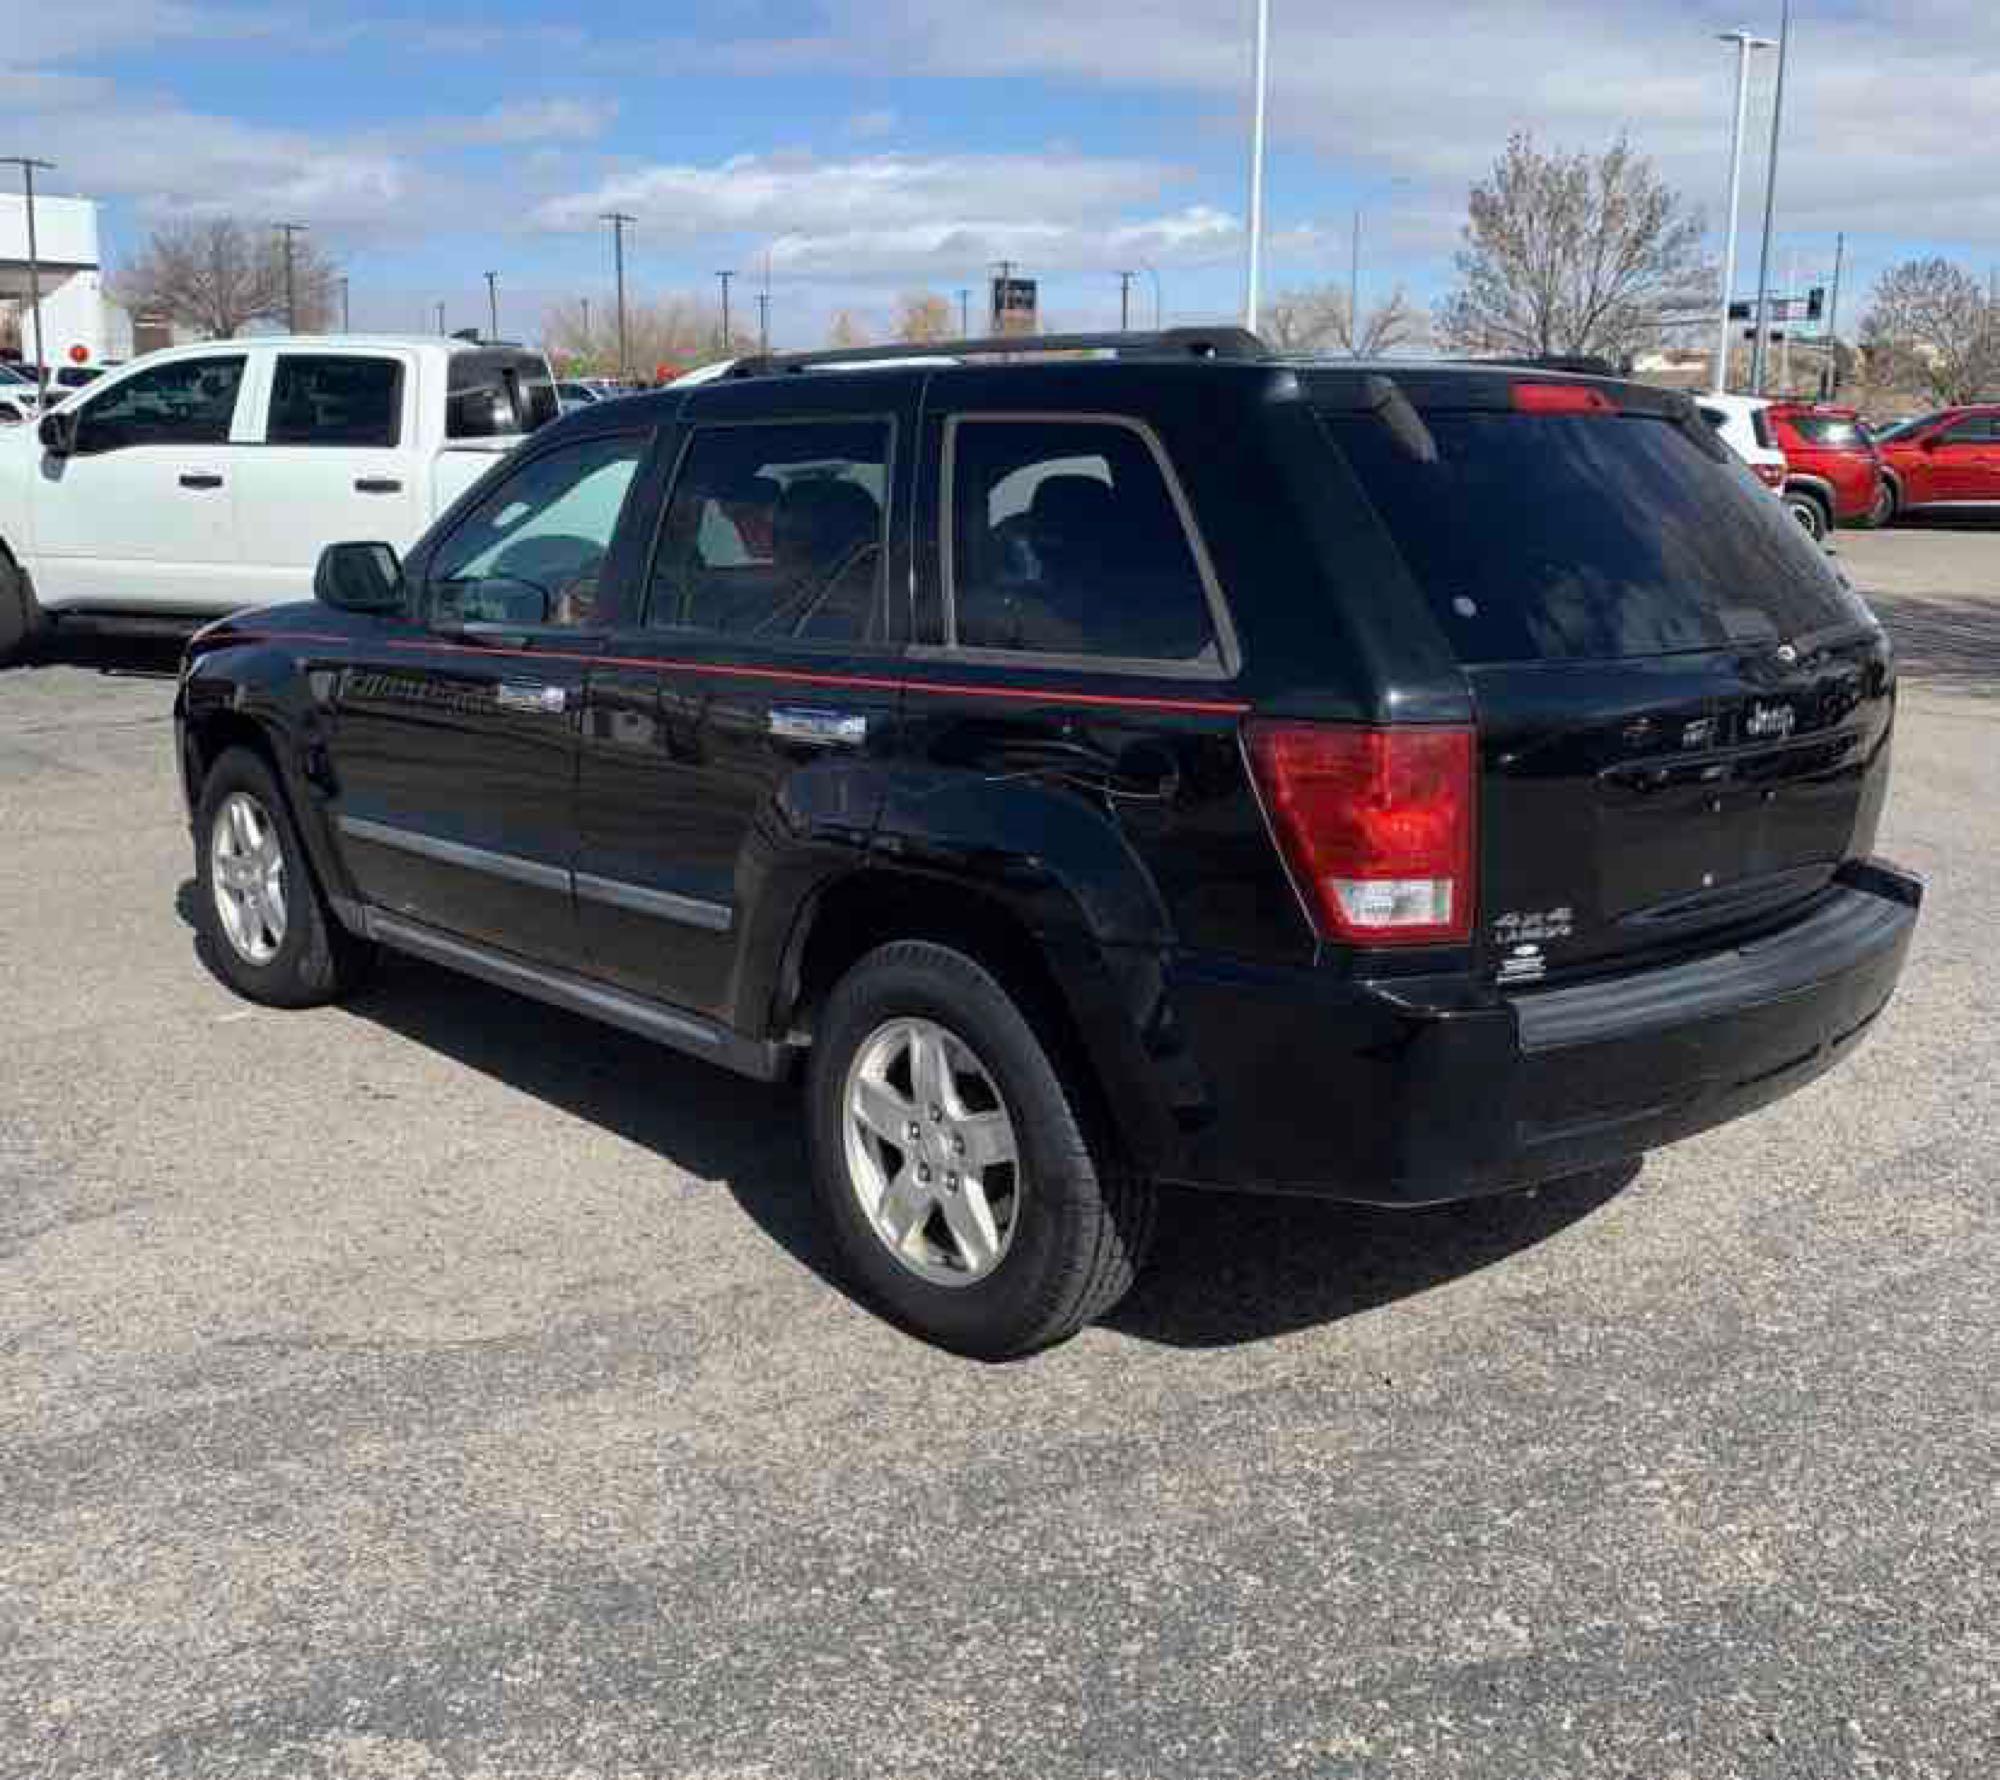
(1014, 305)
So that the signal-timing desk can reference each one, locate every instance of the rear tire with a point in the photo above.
(1057, 1232)
(258, 906)
(21, 621)
(1883, 512)
(1811, 515)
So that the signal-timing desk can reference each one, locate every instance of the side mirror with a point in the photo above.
(359, 578)
(57, 433)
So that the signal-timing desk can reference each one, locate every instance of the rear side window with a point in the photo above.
(777, 532)
(1066, 540)
(1577, 538)
(1974, 429)
(336, 401)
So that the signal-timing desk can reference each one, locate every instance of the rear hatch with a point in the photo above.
(1683, 710)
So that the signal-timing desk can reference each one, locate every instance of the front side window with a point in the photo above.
(532, 551)
(335, 400)
(777, 531)
(1066, 541)
(189, 402)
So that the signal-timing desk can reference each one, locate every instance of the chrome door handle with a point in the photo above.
(377, 485)
(541, 700)
(826, 729)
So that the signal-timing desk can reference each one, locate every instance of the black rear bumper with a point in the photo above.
(1423, 1092)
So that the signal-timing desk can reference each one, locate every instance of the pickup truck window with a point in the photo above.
(335, 400)
(1066, 541)
(777, 531)
(189, 402)
(530, 553)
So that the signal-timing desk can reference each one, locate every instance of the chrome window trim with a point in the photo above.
(668, 905)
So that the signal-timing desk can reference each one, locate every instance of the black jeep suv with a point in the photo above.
(1394, 782)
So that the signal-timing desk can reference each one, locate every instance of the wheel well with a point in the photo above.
(211, 736)
(875, 908)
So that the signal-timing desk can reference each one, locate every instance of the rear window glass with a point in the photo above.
(1829, 430)
(1578, 538)
(493, 394)
(335, 400)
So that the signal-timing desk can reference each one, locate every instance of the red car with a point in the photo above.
(1947, 459)
(1834, 474)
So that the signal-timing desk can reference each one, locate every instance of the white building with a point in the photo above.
(80, 322)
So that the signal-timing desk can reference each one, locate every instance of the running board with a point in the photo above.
(670, 1026)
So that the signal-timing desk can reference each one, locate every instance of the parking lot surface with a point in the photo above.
(442, 1386)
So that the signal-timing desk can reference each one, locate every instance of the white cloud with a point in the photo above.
(516, 123)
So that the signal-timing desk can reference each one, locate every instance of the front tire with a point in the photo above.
(951, 1165)
(1883, 512)
(258, 907)
(1811, 516)
(21, 621)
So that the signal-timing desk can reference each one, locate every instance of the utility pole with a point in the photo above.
(586, 324)
(1760, 343)
(440, 310)
(288, 230)
(1125, 301)
(1746, 45)
(1253, 293)
(1159, 305)
(493, 305)
(345, 326)
(1789, 299)
(618, 219)
(1833, 318)
(28, 164)
(764, 324)
(723, 278)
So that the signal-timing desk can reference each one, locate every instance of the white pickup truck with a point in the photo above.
(203, 479)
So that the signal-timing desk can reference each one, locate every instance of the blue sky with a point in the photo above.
(869, 151)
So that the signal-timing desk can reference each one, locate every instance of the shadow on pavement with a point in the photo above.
(148, 657)
(1948, 641)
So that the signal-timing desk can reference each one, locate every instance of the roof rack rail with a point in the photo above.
(1199, 343)
(1577, 364)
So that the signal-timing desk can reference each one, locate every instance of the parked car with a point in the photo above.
(1835, 473)
(1947, 459)
(1744, 423)
(18, 406)
(1468, 778)
(204, 478)
(572, 394)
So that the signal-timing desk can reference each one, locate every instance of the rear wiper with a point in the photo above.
(1383, 397)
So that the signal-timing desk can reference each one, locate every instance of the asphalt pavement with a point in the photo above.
(441, 1386)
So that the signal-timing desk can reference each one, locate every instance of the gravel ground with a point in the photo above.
(440, 1386)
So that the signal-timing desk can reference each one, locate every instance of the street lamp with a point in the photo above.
(1253, 294)
(493, 305)
(618, 220)
(288, 230)
(345, 326)
(1746, 45)
(1759, 344)
(28, 164)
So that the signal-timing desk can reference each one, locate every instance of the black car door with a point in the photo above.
(734, 734)
(454, 743)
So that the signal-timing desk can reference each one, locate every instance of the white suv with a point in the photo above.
(1745, 425)
(206, 478)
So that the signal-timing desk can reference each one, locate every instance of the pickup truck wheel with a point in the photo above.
(20, 617)
(259, 907)
(952, 1166)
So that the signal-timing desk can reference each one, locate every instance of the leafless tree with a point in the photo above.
(1316, 321)
(848, 330)
(1933, 325)
(1573, 253)
(666, 334)
(219, 274)
(922, 317)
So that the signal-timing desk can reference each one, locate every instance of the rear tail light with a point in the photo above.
(1376, 825)
(1561, 398)
(1771, 475)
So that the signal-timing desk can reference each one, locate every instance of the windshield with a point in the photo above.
(1577, 538)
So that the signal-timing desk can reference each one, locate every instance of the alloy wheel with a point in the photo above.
(931, 1152)
(247, 874)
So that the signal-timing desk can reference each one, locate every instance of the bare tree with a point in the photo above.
(218, 275)
(848, 330)
(1572, 253)
(671, 334)
(922, 317)
(1316, 320)
(1932, 324)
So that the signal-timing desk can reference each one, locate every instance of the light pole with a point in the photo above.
(618, 219)
(1125, 301)
(28, 164)
(1758, 345)
(345, 326)
(723, 279)
(964, 313)
(440, 314)
(763, 324)
(288, 230)
(1159, 304)
(1253, 294)
(1833, 318)
(1354, 265)
(493, 305)
(1746, 45)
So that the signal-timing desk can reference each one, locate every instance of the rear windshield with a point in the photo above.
(1588, 538)
(491, 394)
(1830, 430)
